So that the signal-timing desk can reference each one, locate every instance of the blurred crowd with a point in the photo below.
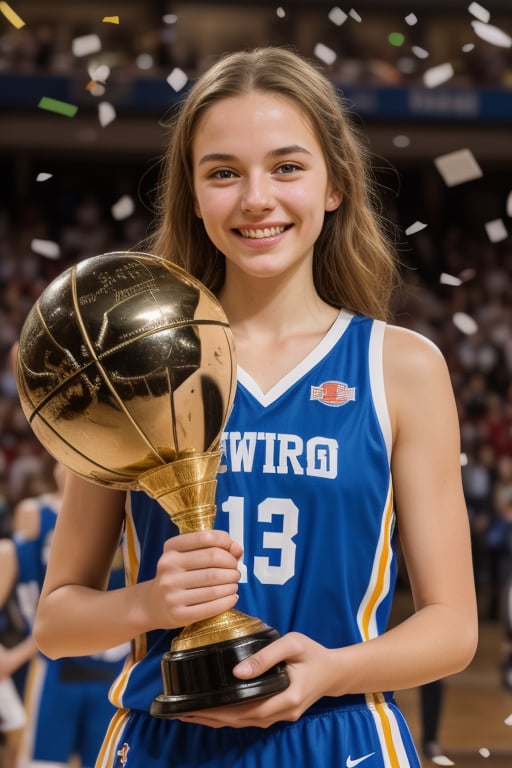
(372, 47)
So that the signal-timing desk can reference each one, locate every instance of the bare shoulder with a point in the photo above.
(416, 376)
(26, 518)
(409, 354)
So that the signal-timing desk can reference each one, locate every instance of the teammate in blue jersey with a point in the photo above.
(66, 699)
(342, 438)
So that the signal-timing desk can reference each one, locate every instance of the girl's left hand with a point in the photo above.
(310, 677)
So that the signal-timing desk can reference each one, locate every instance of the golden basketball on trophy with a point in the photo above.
(126, 372)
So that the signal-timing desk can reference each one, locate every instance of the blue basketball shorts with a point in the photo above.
(365, 731)
(66, 717)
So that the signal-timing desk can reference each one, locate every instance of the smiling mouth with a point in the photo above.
(259, 234)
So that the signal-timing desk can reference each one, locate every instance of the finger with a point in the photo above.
(260, 662)
(186, 542)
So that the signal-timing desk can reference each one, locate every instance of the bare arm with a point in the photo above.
(196, 577)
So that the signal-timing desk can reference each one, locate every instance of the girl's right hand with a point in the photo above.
(196, 578)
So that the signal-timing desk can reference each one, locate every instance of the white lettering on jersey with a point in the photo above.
(282, 454)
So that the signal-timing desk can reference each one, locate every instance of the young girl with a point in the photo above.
(343, 436)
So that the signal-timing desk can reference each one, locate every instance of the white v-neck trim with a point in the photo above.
(334, 333)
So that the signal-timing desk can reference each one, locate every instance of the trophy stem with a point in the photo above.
(185, 488)
(196, 671)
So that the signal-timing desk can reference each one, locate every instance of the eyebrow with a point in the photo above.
(221, 157)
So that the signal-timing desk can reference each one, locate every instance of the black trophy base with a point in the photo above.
(199, 678)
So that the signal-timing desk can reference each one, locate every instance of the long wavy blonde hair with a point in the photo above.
(353, 265)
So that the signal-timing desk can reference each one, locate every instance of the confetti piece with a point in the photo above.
(496, 230)
(144, 61)
(325, 54)
(354, 15)
(509, 204)
(106, 113)
(479, 12)
(401, 141)
(61, 107)
(11, 15)
(85, 45)
(47, 248)
(446, 279)
(491, 34)
(396, 38)
(468, 47)
(96, 89)
(420, 53)
(337, 16)
(177, 79)
(484, 752)
(170, 18)
(464, 460)
(111, 19)
(465, 324)
(411, 19)
(43, 176)
(508, 720)
(101, 73)
(458, 167)
(123, 208)
(281, 13)
(442, 760)
(436, 76)
(416, 227)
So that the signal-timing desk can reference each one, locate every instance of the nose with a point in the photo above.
(257, 193)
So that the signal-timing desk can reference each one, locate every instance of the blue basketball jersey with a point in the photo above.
(306, 489)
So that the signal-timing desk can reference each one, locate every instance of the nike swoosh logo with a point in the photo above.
(351, 763)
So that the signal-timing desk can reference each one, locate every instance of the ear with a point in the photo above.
(333, 200)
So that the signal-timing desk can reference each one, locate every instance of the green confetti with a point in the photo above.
(61, 107)
(396, 39)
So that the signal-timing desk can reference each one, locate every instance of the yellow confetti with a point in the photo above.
(111, 19)
(11, 15)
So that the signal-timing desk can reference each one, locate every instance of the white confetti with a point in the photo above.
(492, 35)
(438, 75)
(484, 752)
(420, 53)
(170, 18)
(401, 141)
(508, 720)
(479, 12)
(48, 248)
(509, 204)
(123, 208)
(442, 760)
(354, 15)
(465, 323)
(411, 19)
(447, 279)
(99, 73)
(144, 61)
(281, 12)
(464, 460)
(496, 230)
(416, 227)
(177, 79)
(325, 54)
(42, 176)
(458, 167)
(106, 113)
(96, 89)
(85, 45)
(337, 16)
(468, 47)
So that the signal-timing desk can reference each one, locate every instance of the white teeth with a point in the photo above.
(257, 234)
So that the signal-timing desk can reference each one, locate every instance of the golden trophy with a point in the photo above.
(126, 373)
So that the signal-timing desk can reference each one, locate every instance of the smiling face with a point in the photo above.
(261, 184)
